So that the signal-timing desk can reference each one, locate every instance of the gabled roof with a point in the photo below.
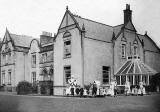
(117, 29)
(95, 30)
(149, 44)
(21, 40)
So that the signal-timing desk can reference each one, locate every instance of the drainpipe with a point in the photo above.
(24, 65)
(82, 50)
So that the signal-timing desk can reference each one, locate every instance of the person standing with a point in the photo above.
(127, 87)
(77, 91)
(94, 91)
(115, 89)
(81, 92)
(72, 90)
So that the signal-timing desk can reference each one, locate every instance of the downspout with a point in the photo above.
(82, 52)
(113, 57)
(24, 65)
(113, 44)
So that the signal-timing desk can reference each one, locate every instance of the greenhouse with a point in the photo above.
(135, 71)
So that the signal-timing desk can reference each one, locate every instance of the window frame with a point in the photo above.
(68, 77)
(9, 77)
(33, 60)
(3, 77)
(123, 50)
(34, 77)
(105, 71)
(67, 48)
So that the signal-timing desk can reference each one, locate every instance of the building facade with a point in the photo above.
(46, 62)
(14, 58)
(89, 50)
(84, 49)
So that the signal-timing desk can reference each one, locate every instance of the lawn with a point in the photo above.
(9, 103)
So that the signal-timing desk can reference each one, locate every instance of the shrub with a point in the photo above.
(43, 88)
(24, 87)
(34, 88)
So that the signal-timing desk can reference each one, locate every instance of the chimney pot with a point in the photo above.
(127, 14)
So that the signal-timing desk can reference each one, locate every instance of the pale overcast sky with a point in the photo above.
(31, 17)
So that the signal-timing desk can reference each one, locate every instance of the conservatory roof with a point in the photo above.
(135, 67)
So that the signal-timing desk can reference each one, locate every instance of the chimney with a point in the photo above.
(46, 38)
(127, 14)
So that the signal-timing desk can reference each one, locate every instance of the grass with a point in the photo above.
(9, 103)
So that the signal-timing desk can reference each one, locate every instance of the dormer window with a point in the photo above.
(67, 44)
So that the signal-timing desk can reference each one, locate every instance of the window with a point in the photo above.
(137, 79)
(144, 79)
(42, 58)
(130, 78)
(9, 57)
(45, 57)
(123, 79)
(9, 77)
(33, 77)
(118, 80)
(67, 73)
(3, 77)
(67, 49)
(123, 50)
(33, 60)
(105, 73)
(135, 50)
(4, 59)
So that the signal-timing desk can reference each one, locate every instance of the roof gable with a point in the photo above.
(148, 43)
(67, 20)
(21, 40)
(7, 37)
(130, 26)
(117, 29)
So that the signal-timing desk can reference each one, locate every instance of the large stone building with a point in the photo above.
(14, 60)
(82, 48)
(26, 58)
(46, 61)
(89, 50)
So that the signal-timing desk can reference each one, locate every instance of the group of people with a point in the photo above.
(94, 89)
(135, 89)
(75, 90)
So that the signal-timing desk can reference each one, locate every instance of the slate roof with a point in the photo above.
(148, 45)
(95, 30)
(21, 40)
(45, 40)
(117, 29)
(104, 32)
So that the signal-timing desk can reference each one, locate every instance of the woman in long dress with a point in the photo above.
(111, 89)
(127, 88)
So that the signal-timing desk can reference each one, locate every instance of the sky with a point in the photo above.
(31, 17)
